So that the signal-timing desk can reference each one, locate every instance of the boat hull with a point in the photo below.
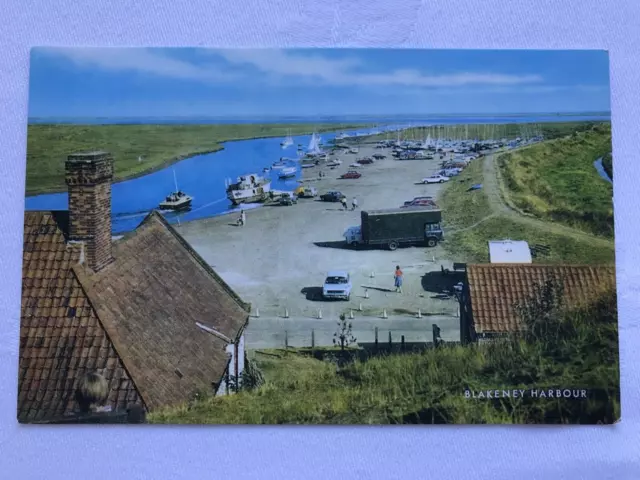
(251, 199)
(186, 205)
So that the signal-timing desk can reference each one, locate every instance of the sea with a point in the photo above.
(204, 177)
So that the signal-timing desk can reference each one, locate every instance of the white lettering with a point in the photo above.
(534, 393)
(521, 393)
(481, 395)
(584, 393)
(467, 394)
(506, 394)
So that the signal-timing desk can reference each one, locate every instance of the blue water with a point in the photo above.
(203, 176)
(601, 170)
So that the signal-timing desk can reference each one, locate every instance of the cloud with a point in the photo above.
(275, 67)
(344, 72)
(142, 60)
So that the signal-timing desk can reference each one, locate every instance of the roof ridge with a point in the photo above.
(196, 256)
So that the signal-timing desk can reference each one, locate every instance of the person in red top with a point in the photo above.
(397, 276)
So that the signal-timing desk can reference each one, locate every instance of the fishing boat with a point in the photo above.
(249, 188)
(279, 164)
(334, 163)
(287, 172)
(177, 200)
(287, 141)
(307, 165)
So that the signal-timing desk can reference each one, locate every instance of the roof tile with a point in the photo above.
(496, 288)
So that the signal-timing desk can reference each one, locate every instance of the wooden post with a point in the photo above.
(313, 339)
(286, 341)
(376, 339)
(402, 343)
(390, 342)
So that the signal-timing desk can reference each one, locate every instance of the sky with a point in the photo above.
(166, 82)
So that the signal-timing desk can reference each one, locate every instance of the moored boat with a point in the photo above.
(249, 188)
(287, 172)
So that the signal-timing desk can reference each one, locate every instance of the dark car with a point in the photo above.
(420, 203)
(365, 161)
(351, 174)
(332, 196)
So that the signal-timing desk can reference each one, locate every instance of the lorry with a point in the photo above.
(396, 227)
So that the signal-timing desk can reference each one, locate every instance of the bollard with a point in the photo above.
(366, 293)
(360, 307)
(419, 314)
(373, 274)
(319, 314)
(351, 314)
(257, 313)
(376, 338)
(384, 313)
(286, 313)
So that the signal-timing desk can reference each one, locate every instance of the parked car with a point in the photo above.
(332, 196)
(435, 179)
(423, 202)
(351, 174)
(307, 192)
(379, 156)
(337, 285)
(365, 161)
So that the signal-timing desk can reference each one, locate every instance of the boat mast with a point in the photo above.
(175, 180)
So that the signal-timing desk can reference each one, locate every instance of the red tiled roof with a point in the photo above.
(495, 289)
(61, 338)
(134, 321)
(149, 300)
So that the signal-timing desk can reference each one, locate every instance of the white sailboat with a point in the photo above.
(288, 141)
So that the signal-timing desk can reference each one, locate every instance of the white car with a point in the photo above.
(435, 179)
(355, 165)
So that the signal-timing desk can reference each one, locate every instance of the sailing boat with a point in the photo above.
(177, 200)
(287, 141)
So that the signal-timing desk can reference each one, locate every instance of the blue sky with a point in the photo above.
(131, 82)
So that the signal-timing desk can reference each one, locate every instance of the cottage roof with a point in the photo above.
(61, 337)
(136, 318)
(495, 288)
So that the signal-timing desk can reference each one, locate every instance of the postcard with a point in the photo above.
(318, 236)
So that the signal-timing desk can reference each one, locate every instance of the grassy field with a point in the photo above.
(556, 181)
(472, 245)
(463, 208)
(159, 145)
(428, 387)
(549, 130)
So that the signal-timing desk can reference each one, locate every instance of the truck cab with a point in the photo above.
(353, 236)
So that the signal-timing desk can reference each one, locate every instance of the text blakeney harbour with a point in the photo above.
(532, 393)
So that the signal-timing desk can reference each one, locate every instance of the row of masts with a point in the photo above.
(468, 133)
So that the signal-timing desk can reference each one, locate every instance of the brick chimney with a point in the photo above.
(88, 177)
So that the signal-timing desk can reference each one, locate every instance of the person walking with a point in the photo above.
(354, 203)
(343, 201)
(397, 277)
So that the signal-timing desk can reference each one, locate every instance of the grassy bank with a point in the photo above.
(472, 245)
(158, 145)
(470, 223)
(428, 387)
(557, 181)
(549, 130)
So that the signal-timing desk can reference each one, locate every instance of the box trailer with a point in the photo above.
(397, 227)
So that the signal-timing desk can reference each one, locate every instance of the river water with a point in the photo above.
(203, 176)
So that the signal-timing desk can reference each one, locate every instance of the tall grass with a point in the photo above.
(557, 181)
(429, 387)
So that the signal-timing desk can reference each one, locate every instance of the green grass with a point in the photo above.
(159, 145)
(428, 387)
(472, 245)
(557, 181)
(463, 208)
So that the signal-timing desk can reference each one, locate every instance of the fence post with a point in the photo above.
(286, 341)
(376, 339)
(313, 340)
(390, 342)
(402, 343)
